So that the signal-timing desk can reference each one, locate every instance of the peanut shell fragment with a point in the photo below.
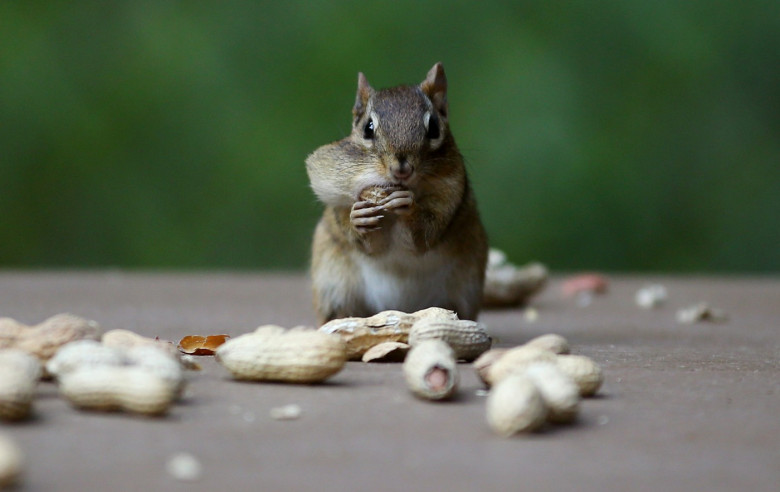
(201, 345)
(387, 352)
(651, 296)
(272, 353)
(701, 311)
(184, 467)
(431, 370)
(286, 412)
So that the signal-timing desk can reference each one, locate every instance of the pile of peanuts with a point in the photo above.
(122, 371)
(113, 371)
(530, 385)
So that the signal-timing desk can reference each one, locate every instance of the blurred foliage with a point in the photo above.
(612, 135)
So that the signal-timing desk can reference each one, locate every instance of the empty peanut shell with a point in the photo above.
(201, 345)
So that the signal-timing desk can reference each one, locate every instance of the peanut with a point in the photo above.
(272, 353)
(87, 354)
(20, 374)
(376, 194)
(132, 389)
(10, 329)
(467, 338)
(515, 405)
(160, 363)
(11, 462)
(44, 339)
(584, 371)
(125, 339)
(552, 342)
(81, 353)
(430, 370)
(435, 313)
(516, 360)
(559, 392)
(483, 362)
(509, 285)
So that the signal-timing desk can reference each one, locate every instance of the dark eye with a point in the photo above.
(368, 130)
(433, 128)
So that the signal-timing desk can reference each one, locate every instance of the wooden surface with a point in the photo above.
(683, 407)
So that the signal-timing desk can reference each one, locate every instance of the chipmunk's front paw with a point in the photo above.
(366, 216)
(399, 201)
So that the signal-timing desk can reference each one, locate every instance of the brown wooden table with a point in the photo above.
(683, 407)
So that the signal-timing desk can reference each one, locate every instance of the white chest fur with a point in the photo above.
(404, 281)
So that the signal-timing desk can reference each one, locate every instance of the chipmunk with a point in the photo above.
(400, 229)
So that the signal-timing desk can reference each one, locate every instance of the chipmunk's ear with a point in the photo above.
(435, 87)
(364, 92)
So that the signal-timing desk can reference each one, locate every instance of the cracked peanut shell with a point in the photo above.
(361, 334)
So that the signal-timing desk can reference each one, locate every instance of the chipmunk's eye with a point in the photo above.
(368, 130)
(433, 132)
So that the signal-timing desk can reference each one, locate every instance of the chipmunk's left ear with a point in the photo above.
(435, 87)
(364, 92)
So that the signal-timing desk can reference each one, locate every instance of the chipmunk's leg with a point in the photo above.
(336, 281)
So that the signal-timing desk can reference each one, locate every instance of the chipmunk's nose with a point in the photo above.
(402, 169)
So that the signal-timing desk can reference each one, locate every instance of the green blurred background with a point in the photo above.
(613, 135)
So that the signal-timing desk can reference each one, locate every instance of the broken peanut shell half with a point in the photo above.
(201, 345)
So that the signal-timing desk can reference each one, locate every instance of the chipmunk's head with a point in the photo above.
(402, 127)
